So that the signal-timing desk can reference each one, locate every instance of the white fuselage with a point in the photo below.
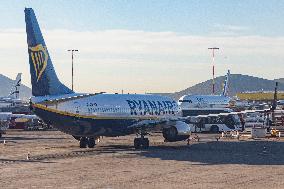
(280, 102)
(106, 114)
(194, 105)
(112, 105)
(203, 101)
(10, 102)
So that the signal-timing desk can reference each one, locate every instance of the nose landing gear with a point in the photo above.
(141, 142)
(90, 142)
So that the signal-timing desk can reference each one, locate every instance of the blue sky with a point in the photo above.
(197, 17)
(137, 41)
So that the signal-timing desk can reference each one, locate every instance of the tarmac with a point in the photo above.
(51, 159)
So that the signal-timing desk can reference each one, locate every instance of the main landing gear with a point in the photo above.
(141, 143)
(90, 142)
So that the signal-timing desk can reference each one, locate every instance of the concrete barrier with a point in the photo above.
(258, 132)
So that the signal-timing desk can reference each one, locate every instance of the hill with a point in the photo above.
(6, 86)
(237, 83)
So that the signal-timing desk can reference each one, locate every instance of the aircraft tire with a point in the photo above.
(214, 129)
(145, 143)
(83, 142)
(141, 143)
(137, 143)
(91, 142)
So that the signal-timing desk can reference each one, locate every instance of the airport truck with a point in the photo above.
(215, 123)
(4, 122)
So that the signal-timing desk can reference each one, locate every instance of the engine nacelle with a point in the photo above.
(178, 131)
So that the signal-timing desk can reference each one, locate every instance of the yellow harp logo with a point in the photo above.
(39, 57)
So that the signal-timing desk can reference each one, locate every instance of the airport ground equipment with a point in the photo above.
(258, 132)
(4, 125)
(215, 123)
(5, 118)
(275, 132)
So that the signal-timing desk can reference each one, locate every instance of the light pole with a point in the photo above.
(72, 51)
(213, 68)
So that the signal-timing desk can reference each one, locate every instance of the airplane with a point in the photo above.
(88, 116)
(13, 98)
(280, 102)
(193, 105)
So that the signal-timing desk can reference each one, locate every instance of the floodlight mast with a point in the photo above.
(72, 51)
(213, 67)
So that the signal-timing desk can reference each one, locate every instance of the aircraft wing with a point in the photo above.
(55, 100)
(173, 129)
(164, 123)
(251, 111)
(148, 123)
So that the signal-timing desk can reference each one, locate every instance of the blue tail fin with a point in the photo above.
(226, 85)
(43, 77)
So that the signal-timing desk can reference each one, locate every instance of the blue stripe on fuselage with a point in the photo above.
(78, 126)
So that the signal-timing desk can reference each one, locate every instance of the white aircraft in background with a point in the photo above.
(280, 102)
(13, 98)
(193, 105)
(87, 116)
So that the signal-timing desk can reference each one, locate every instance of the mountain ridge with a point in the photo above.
(237, 83)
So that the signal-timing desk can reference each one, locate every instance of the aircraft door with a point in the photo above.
(77, 107)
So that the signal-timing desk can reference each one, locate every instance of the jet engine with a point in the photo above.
(177, 131)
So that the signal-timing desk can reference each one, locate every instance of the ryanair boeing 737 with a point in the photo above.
(87, 116)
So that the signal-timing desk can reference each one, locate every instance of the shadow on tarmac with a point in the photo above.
(30, 138)
(2, 160)
(211, 152)
(222, 152)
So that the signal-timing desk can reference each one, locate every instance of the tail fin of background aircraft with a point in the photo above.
(226, 85)
(43, 77)
(16, 87)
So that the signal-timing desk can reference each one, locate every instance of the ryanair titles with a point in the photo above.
(151, 107)
(39, 57)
